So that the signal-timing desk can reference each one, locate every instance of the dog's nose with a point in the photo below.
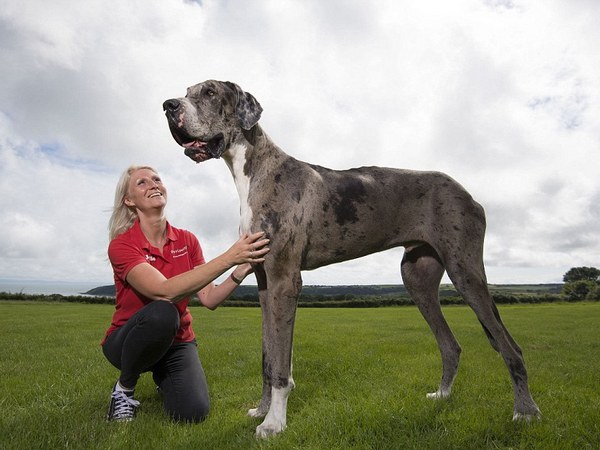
(171, 105)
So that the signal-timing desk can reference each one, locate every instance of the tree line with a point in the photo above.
(580, 284)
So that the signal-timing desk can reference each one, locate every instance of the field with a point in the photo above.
(361, 377)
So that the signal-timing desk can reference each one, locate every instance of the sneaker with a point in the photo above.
(122, 406)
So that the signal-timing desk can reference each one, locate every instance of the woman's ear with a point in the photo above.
(128, 202)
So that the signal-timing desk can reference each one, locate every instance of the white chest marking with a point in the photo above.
(242, 184)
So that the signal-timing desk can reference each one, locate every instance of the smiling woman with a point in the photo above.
(157, 269)
(147, 196)
(123, 215)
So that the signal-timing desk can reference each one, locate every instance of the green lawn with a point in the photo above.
(361, 377)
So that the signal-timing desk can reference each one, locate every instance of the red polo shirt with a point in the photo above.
(181, 253)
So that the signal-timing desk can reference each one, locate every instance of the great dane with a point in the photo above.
(316, 216)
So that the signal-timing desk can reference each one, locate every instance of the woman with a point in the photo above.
(157, 267)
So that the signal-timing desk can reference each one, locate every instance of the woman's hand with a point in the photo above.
(249, 249)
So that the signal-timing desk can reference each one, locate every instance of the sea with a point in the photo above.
(37, 287)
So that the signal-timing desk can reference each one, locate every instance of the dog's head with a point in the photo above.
(210, 117)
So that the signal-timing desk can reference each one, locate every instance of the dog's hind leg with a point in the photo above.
(279, 312)
(470, 281)
(422, 272)
(508, 336)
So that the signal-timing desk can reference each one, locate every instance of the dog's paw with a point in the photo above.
(439, 394)
(526, 411)
(522, 417)
(266, 430)
(518, 417)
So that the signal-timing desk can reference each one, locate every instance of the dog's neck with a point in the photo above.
(253, 151)
(247, 162)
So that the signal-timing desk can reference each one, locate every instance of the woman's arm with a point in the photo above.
(212, 296)
(149, 282)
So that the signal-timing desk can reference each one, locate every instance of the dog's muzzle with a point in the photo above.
(198, 149)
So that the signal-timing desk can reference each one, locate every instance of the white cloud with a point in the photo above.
(501, 95)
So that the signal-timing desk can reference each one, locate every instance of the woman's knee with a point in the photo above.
(161, 315)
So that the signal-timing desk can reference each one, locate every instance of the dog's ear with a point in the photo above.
(247, 108)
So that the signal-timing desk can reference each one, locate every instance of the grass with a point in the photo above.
(361, 377)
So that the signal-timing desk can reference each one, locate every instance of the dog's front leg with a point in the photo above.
(265, 402)
(279, 312)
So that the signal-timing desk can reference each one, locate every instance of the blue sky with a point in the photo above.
(504, 96)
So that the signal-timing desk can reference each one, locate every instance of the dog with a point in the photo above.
(315, 216)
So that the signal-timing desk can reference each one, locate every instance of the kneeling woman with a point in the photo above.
(157, 268)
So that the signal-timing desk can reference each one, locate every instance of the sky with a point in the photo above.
(502, 95)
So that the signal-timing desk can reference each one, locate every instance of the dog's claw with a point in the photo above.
(257, 413)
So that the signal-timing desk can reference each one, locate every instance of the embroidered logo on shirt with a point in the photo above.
(150, 258)
(179, 252)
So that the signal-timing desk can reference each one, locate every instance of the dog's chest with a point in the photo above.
(242, 184)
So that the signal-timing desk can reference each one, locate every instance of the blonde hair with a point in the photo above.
(123, 217)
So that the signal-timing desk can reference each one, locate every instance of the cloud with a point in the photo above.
(501, 95)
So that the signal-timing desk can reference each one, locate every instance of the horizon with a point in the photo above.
(102, 284)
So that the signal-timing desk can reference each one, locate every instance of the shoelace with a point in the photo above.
(124, 405)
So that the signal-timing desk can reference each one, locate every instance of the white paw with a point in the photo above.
(438, 395)
(265, 430)
(275, 420)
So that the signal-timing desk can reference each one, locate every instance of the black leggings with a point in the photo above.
(145, 343)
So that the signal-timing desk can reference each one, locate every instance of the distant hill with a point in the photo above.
(103, 291)
(307, 291)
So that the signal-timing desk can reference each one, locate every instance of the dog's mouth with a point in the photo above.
(199, 150)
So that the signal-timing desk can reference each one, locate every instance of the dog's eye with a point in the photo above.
(210, 93)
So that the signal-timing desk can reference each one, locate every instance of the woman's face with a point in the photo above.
(146, 190)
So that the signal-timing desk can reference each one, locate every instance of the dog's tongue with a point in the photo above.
(200, 151)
